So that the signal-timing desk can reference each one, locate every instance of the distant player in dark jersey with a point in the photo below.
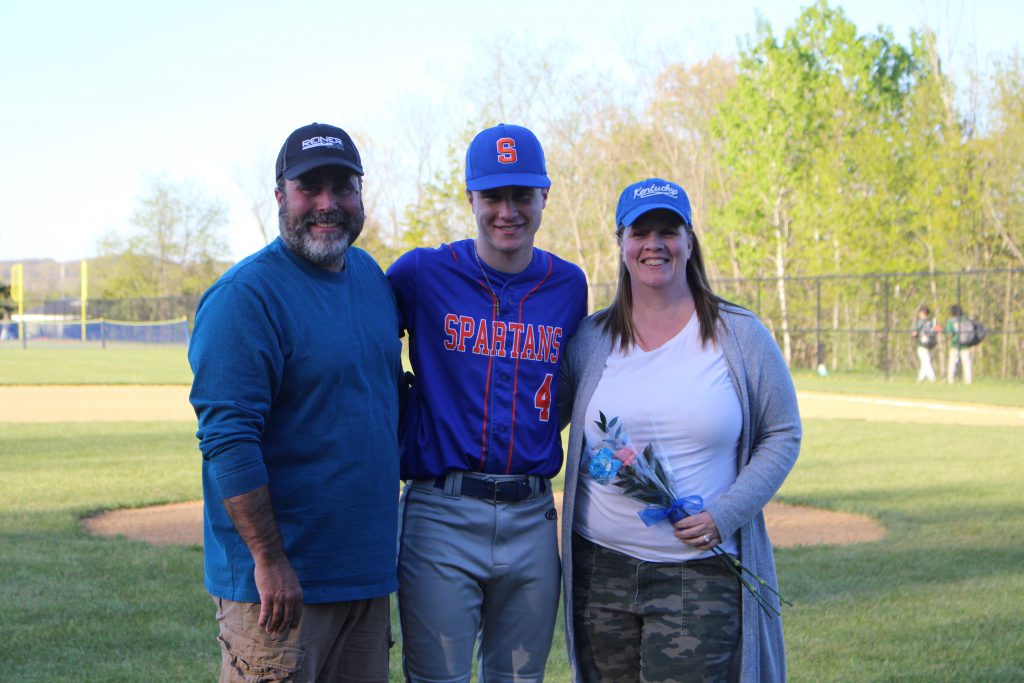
(488, 320)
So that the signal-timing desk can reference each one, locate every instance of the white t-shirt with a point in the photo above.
(679, 398)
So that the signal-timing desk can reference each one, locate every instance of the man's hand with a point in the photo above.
(280, 594)
(276, 581)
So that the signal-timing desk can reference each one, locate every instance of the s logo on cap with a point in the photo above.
(506, 150)
(505, 156)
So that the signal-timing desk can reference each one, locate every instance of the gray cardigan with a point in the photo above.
(768, 448)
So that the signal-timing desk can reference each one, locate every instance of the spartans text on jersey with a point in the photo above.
(502, 339)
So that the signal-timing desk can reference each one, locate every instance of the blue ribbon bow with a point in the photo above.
(680, 507)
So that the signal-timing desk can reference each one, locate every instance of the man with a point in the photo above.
(297, 369)
(959, 352)
(926, 333)
(488, 319)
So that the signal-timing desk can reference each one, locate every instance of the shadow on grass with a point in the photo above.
(84, 608)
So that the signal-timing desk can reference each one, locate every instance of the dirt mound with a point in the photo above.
(788, 525)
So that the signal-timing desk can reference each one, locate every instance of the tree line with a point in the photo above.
(820, 150)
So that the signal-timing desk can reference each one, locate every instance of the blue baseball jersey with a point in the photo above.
(485, 348)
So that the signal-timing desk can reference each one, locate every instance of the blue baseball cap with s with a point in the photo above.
(651, 194)
(505, 155)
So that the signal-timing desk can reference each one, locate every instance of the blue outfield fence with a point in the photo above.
(160, 320)
(157, 332)
(101, 331)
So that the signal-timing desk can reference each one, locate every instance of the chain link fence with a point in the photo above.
(57, 321)
(863, 322)
(129, 310)
(843, 322)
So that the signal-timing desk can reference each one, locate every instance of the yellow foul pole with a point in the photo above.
(18, 294)
(85, 294)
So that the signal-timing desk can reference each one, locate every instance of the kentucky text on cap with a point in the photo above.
(503, 156)
(651, 194)
(316, 145)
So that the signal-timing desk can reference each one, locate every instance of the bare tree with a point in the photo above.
(256, 183)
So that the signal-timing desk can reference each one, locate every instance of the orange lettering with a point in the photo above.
(480, 346)
(506, 150)
(529, 346)
(517, 333)
(556, 336)
(465, 332)
(451, 331)
(544, 342)
(498, 339)
(542, 399)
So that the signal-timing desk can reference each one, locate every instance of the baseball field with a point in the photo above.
(900, 534)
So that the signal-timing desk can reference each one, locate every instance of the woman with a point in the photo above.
(704, 382)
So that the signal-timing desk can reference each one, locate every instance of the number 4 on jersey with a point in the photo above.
(542, 399)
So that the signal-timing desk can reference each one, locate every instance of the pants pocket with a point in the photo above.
(583, 559)
(258, 660)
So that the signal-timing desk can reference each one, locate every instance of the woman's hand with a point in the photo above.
(698, 530)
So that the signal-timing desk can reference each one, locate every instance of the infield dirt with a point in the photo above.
(788, 525)
(181, 523)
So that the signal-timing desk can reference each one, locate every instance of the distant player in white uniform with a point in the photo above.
(488, 319)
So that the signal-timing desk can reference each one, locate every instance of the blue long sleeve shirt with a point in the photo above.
(297, 372)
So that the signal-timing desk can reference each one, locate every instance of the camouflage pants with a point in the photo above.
(653, 621)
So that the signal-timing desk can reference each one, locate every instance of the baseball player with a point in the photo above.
(488, 319)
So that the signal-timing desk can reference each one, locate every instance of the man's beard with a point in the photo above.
(326, 251)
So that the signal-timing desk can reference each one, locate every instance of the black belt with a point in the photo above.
(497, 490)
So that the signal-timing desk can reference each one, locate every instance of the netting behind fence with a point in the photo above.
(41, 330)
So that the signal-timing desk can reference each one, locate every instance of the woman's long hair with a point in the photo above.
(617, 319)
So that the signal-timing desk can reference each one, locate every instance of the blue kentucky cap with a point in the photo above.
(505, 155)
(651, 194)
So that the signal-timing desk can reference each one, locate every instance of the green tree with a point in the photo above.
(939, 165)
(440, 213)
(178, 247)
(6, 303)
(806, 140)
(769, 132)
(1003, 157)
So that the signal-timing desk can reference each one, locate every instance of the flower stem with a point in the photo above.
(757, 578)
(738, 569)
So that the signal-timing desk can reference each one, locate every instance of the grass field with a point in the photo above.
(91, 364)
(983, 390)
(937, 600)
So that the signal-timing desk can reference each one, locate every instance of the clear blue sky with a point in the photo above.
(100, 97)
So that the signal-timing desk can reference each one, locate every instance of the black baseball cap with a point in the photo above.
(316, 145)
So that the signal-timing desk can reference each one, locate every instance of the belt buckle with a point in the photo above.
(513, 491)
